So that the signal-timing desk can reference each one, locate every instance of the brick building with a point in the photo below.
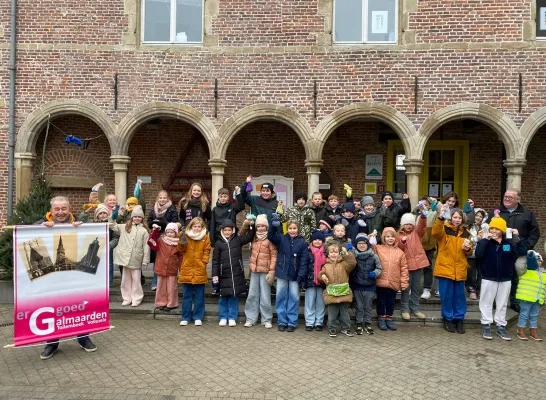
(450, 94)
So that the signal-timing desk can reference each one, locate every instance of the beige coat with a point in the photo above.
(263, 256)
(132, 250)
(413, 248)
(338, 272)
(394, 274)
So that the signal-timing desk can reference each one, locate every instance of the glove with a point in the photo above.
(155, 226)
(96, 188)
(183, 239)
(345, 223)
(371, 275)
(279, 209)
(424, 212)
(275, 220)
(361, 222)
(300, 281)
(270, 277)
(251, 217)
(373, 240)
(249, 187)
(349, 246)
(348, 190)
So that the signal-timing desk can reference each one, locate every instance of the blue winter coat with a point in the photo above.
(366, 262)
(498, 260)
(354, 226)
(308, 273)
(292, 254)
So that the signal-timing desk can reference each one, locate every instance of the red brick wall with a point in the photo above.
(439, 21)
(72, 161)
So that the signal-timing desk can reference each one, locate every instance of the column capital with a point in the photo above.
(413, 166)
(314, 163)
(120, 162)
(515, 166)
(25, 156)
(217, 166)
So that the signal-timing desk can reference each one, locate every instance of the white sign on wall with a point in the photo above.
(374, 166)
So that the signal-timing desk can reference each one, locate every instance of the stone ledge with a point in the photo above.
(77, 182)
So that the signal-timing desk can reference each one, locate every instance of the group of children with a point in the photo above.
(339, 254)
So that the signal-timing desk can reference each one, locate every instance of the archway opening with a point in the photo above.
(71, 169)
(168, 154)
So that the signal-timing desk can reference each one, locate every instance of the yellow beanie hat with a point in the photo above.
(498, 223)
(132, 201)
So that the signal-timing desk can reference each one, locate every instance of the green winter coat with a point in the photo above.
(305, 217)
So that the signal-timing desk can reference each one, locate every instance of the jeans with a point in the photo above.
(409, 301)
(314, 307)
(363, 304)
(453, 299)
(385, 301)
(111, 267)
(287, 302)
(193, 294)
(514, 289)
(497, 292)
(81, 340)
(341, 311)
(529, 312)
(228, 307)
(474, 277)
(429, 270)
(154, 281)
(259, 298)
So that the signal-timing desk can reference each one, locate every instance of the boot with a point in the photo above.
(521, 333)
(381, 323)
(391, 326)
(459, 327)
(448, 325)
(534, 335)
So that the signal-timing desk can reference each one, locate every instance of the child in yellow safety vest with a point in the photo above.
(531, 292)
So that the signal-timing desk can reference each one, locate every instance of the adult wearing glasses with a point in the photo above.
(519, 217)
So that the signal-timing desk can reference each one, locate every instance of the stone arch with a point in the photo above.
(530, 127)
(264, 112)
(503, 125)
(31, 128)
(382, 112)
(130, 123)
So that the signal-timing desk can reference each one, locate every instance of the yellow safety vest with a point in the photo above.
(532, 287)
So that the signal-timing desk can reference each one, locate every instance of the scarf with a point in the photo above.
(169, 241)
(161, 210)
(196, 236)
(261, 236)
(320, 260)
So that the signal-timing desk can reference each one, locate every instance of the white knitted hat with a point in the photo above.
(407, 218)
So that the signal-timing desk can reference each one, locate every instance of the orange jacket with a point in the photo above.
(394, 274)
(196, 254)
(451, 260)
(413, 248)
(263, 256)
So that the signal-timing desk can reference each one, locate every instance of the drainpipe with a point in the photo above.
(12, 63)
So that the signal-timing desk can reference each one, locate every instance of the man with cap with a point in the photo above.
(266, 203)
(302, 214)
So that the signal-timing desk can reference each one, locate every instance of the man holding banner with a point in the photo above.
(61, 286)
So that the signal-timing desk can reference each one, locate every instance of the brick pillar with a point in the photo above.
(23, 173)
(313, 176)
(514, 169)
(120, 176)
(217, 167)
(413, 170)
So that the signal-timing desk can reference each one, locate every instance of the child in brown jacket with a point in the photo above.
(262, 275)
(338, 294)
(394, 277)
(166, 265)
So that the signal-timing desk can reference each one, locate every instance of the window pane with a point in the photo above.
(157, 20)
(348, 20)
(448, 174)
(381, 20)
(189, 21)
(435, 157)
(541, 19)
(448, 157)
(400, 187)
(434, 174)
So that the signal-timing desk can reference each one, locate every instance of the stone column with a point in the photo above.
(120, 163)
(514, 169)
(217, 167)
(313, 176)
(413, 170)
(23, 173)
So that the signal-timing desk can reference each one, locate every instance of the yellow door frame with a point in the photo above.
(462, 157)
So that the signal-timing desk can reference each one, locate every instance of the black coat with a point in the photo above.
(222, 212)
(171, 215)
(193, 210)
(354, 226)
(227, 264)
(320, 213)
(366, 262)
(498, 260)
(308, 273)
(524, 221)
(392, 215)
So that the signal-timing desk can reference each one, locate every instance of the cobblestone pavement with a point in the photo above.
(147, 359)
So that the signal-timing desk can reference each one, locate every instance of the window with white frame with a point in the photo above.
(541, 19)
(172, 21)
(365, 21)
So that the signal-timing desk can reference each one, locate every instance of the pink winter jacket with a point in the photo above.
(413, 248)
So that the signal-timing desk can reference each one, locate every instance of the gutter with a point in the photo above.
(12, 71)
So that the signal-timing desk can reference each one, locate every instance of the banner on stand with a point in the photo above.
(61, 281)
